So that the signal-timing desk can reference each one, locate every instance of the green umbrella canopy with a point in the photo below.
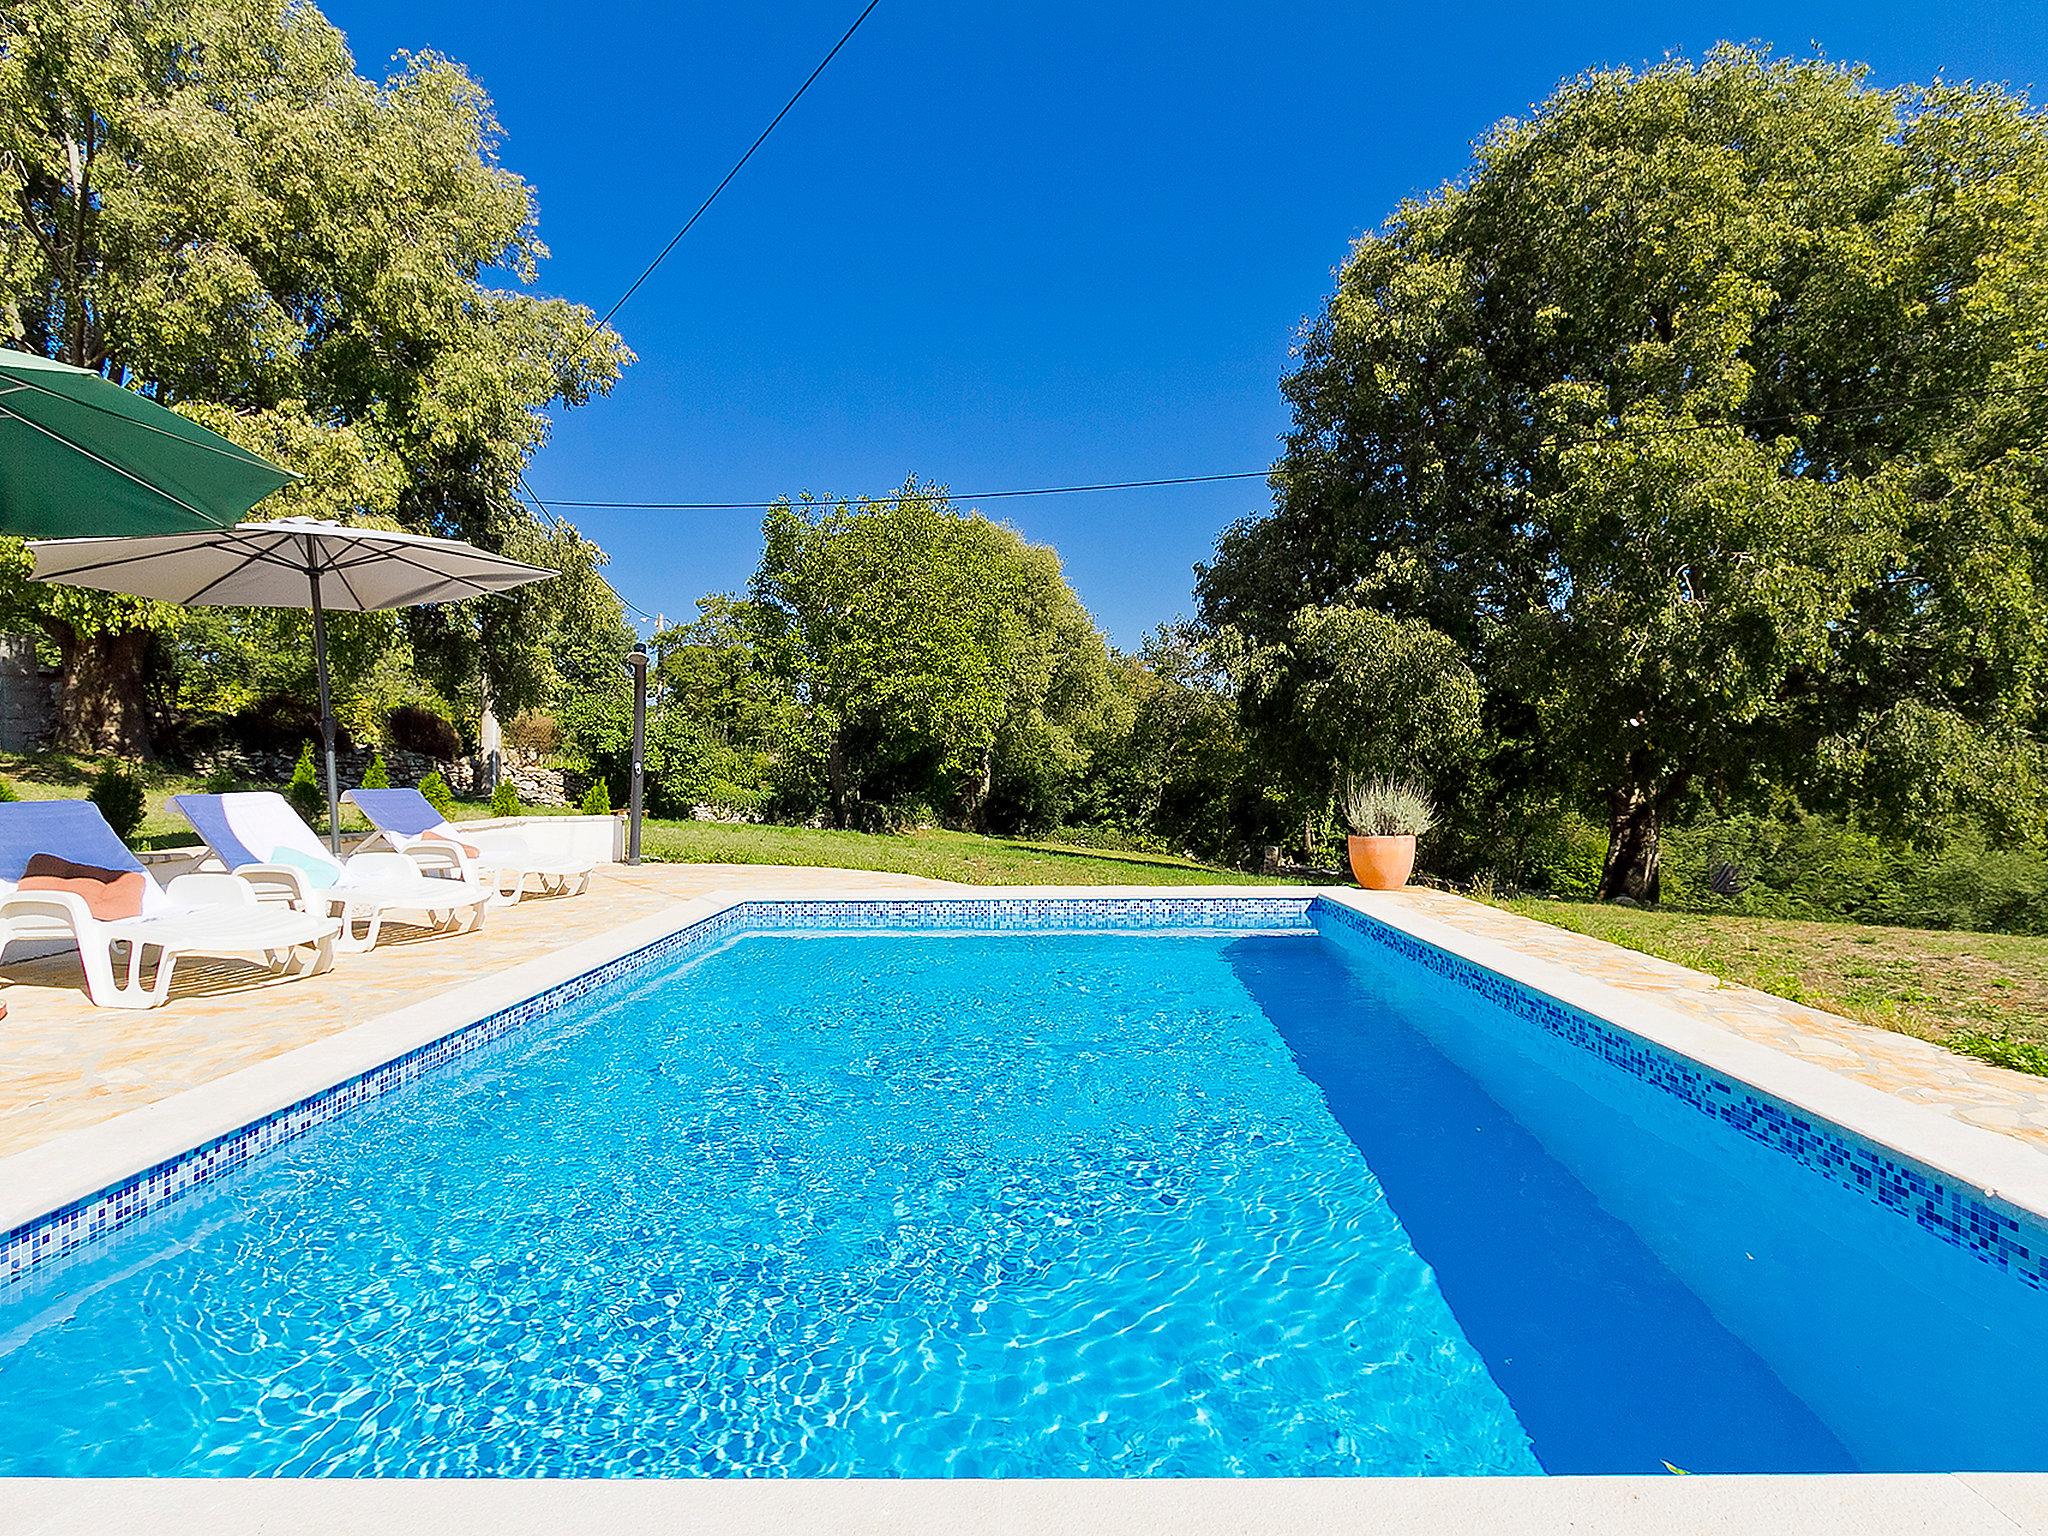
(81, 456)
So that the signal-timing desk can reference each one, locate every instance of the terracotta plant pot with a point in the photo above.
(1382, 863)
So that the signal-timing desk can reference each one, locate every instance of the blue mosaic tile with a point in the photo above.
(1963, 1217)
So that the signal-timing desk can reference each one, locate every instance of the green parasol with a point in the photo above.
(81, 456)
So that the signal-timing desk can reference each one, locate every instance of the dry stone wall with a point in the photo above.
(469, 777)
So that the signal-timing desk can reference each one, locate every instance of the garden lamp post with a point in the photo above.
(636, 664)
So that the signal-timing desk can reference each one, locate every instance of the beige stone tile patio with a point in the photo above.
(65, 1063)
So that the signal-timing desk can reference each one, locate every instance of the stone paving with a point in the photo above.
(65, 1064)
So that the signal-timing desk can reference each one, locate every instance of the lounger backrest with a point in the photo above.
(248, 827)
(70, 829)
(405, 813)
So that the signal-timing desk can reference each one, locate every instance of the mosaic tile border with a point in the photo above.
(62, 1232)
(1951, 1211)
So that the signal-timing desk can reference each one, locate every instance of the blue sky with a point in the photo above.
(1014, 246)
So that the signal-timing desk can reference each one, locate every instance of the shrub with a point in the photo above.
(505, 799)
(415, 728)
(1387, 808)
(221, 780)
(376, 776)
(117, 790)
(8, 791)
(434, 789)
(304, 791)
(274, 722)
(534, 730)
(597, 800)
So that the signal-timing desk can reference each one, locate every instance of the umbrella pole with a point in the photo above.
(326, 714)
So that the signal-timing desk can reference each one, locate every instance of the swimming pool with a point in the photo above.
(1172, 1188)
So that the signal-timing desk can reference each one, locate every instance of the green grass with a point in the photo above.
(960, 856)
(1985, 994)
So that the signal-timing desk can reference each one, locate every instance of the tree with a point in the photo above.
(1705, 415)
(930, 651)
(1182, 774)
(1352, 693)
(208, 204)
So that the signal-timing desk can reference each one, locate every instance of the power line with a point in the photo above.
(548, 513)
(737, 167)
(1673, 429)
(1042, 490)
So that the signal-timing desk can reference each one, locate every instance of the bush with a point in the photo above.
(376, 776)
(8, 791)
(597, 800)
(274, 722)
(434, 789)
(534, 730)
(117, 790)
(221, 780)
(505, 799)
(304, 791)
(415, 728)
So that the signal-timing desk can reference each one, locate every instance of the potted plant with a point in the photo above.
(1385, 816)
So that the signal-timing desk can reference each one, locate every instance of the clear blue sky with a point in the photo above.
(1017, 245)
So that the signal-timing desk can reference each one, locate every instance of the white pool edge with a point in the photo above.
(1954, 1504)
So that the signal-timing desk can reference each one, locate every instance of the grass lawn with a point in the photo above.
(1982, 993)
(960, 856)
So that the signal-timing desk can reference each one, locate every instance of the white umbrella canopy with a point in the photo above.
(296, 562)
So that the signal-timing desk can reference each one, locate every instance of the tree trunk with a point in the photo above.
(835, 779)
(102, 706)
(1633, 856)
(975, 794)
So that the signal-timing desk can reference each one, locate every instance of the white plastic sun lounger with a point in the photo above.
(260, 839)
(503, 860)
(74, 850)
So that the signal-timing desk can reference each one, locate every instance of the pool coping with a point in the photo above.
(77, 1164)
(1955, 1503)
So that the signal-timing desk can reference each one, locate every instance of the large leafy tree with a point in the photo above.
(204, 201)
(936, 656)
(1707, 416)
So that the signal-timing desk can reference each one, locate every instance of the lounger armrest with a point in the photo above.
(279, 885)
(211, 890)
(50, 906)
(441, 860)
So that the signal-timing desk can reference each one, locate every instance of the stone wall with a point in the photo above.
(28, 696)
(468, 777)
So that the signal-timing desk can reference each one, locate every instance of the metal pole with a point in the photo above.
(636, 663)
(326, 708)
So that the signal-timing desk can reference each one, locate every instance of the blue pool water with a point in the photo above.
(1017, 1205)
